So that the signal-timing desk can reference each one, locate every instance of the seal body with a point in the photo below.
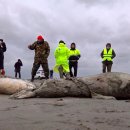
(114, 84)
(10, 86)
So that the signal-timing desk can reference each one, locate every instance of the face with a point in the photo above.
(108, 46)
(73, 46)
(40, 41)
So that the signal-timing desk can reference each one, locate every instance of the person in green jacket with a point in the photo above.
(61, 56)
(107, 55)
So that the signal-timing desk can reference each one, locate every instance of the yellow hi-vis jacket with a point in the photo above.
(75, 52)
(61, 56)
(107, 55)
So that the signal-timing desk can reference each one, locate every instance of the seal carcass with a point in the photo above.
(10, 86)
(109, 84)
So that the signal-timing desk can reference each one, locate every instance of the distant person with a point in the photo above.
(51, 74)
(2, 50)
(107, 55)
(74, 56)
(17, 67)
(42, 51)
(61, 56)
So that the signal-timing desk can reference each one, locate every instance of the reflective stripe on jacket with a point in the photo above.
(107, 54)
(75, 52)
(74, 55)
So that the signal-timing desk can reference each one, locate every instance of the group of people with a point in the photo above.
(17, 65)
(66, 59)
(62, 56)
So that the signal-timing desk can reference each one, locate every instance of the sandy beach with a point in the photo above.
(64, 114)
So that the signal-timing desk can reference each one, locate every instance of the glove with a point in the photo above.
(29, 46)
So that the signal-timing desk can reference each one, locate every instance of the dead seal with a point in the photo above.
(10, 86)
(106, 85)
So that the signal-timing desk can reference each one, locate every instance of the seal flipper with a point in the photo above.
(23, 94)
(99, 96)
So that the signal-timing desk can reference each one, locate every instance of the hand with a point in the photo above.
(77, 57)
(112, 57)
(29, 46)
(1, 45)
(46, 56)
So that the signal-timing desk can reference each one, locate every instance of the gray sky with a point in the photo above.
(88, 23)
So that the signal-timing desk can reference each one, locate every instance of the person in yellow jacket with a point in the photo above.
(107, 55)
(61, 55)
(74, 55)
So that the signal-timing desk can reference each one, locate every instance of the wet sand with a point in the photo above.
(63, 114)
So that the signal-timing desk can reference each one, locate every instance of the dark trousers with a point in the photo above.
(73, 65)
(1, 62)
(44, 66)
(19, 73)
(51, 74)
(107, 65)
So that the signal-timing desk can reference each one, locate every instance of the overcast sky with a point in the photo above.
(88, 23)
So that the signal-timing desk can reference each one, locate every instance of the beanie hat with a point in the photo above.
(61, 41)
(108, 44)
(40, 38)
(73, 43)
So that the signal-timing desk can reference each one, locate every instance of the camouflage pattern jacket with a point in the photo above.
(42, 50)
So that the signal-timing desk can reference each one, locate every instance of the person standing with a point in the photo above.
(61, 55)
(17, 66)
(108, 54)
(42, 51)
(2, 50)
(74, 55)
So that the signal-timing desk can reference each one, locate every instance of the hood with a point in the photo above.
(62, 45)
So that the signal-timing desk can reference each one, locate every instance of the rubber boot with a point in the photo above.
(61, 72)
(32, 79)
(67, 76)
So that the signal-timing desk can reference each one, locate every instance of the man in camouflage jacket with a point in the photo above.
(42, 51)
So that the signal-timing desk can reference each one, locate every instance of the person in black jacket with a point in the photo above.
(74, 55)
(17, 66)
(2, 50)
